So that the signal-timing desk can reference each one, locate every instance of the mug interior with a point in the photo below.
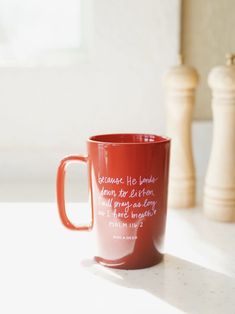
(128, 138)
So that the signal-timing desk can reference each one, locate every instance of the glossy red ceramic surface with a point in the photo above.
(128, 179)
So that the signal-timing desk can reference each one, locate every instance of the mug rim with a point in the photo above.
(147, 138)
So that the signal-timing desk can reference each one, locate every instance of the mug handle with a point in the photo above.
(60, 193)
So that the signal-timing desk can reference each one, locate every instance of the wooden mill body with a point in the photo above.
(181, 82)
(219, 190)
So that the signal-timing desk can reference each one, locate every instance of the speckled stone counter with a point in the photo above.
(48, 269)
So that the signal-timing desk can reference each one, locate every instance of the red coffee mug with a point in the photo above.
(128, 181)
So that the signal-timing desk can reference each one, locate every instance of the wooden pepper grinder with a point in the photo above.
(219, 191)
(181, 82)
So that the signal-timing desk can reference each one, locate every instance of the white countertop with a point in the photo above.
(45, 268)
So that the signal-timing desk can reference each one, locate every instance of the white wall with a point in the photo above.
(49, 112)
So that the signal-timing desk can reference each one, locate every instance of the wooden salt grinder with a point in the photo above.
(181, 82)
(219, 190)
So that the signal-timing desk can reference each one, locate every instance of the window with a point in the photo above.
(40, 32)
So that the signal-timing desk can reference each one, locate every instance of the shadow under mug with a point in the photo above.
(128, 182)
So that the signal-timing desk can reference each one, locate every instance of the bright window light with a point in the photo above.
(32, 28)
